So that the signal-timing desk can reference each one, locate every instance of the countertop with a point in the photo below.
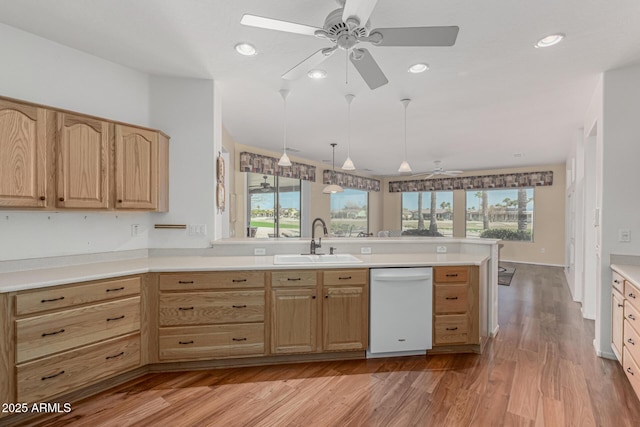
(631, 273)
(38, 278)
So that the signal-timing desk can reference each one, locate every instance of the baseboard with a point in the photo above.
(532, 263)
(587, 315)
(495, 331)
(604, 354)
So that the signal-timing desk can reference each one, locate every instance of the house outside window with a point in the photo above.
(274, 206)
(500, 214)
(349, 213)
(417, 208)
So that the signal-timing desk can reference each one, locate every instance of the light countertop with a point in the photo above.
(630, 272)
(38, 278)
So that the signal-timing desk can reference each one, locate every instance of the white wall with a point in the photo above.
(37, 70)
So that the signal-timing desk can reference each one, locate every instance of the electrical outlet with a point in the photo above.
(441, 249)
(197, 229)
(135, 229)
(259, 251)
(624, 235)
(365, 250)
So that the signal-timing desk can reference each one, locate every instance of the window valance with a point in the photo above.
(351, 181)
(508, 180)
(251, 162)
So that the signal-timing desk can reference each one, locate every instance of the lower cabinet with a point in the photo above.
(294, 320)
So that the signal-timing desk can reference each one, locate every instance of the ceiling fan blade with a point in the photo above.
(368, 68)
(278, 25)
(312, 61)
(418, 36)
(453, 172)
(359, 9)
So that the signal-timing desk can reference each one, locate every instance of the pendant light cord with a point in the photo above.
(405, 132)
(284, 132)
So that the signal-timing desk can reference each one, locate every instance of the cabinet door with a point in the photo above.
(345, 318)
(136, 168)
(83, 162)
(617, 319)
(23, 165)
(293, 320)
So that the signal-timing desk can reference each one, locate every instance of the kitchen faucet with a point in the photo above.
(315, 245)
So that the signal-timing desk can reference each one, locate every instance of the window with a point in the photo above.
(500, 214)
(349, 213)
(416, 213)
(265, 193)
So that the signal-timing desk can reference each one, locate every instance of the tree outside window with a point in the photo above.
(500, 214)
(427, 213)
(349, 213)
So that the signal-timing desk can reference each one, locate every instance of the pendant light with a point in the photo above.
(284, 160)
(404, 166)
(333, 187)
(348, 164)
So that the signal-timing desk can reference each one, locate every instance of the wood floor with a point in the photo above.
(541, 370)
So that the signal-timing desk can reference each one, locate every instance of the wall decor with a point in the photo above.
(220, 190)
(507, 180)
(351, 181)
(257, 163)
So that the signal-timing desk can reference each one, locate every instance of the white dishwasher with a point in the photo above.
(400, 311)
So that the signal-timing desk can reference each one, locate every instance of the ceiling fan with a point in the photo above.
(261, 187)
(439, 170)
(346, 28)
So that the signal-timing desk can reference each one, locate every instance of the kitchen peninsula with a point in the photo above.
(124, 314)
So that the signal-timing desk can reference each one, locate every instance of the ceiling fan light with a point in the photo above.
(317, 74)
(550, 40)
(348, 165)
(418, 68)
(284, 160)
(404, 167)
(332, 188)
(246, 49)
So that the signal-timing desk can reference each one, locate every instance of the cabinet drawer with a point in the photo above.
(64, 297)
(451, 329)
(206, 342)
(631, 340)
(41, 379)
(212, 280)
(297, 278)
(631, 315)
(50, 333)
(617, 281)
(631, 369)
(451, 299)
(199, 308)
(454, 274)
(346, 277)
(632, 295)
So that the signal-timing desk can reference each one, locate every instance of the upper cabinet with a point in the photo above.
(53, 159)
(23, 157)
(82, 162)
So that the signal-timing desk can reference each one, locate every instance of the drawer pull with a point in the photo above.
(630, 371)
(52, 300)
(630, 341)
(620, 305)
(631, 316)
(185, 282)
(116, 289)
(616, 281)
(344, 278)
(632, 295)
(294, 279)
(238, 339)
(451, 298)
(113, 357)
(58, 374)
(109, 319)
(451, 275)
(239, 280)
(46, 334)
(185, 308)
(239, 306)
(185, 342)
(452, 329)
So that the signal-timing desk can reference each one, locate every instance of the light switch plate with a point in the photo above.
(197, 229)
(624, 235)
(441, 249)
(365, 250)
(259, 251)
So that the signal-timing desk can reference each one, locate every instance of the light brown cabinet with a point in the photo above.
(294, 320)
(617, 315)
(23, 155)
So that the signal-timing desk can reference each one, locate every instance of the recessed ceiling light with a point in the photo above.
(418, 68)
(246, 49)
(317, 74)
(550, 40)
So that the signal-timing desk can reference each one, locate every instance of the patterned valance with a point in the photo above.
(351, 181)
(251, 162)
(507, 180)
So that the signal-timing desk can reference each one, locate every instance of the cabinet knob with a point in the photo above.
(313, 297)
(326, 296)
(119, 200)
(61, 199)
(43, 198)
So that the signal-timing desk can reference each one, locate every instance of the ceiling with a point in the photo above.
(489, 97)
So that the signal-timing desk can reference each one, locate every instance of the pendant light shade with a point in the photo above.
(333, 187)
(404, 166)
(284, 160)
(348, 164)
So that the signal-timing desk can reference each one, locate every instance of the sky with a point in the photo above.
(410, 200)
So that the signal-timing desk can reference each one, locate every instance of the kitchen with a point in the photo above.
(45, 72)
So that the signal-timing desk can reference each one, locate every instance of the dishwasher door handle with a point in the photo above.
(401, 278)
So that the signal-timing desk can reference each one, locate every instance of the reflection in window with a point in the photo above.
(500, 214)
(416, 213)
(349, 213)
(274, 206)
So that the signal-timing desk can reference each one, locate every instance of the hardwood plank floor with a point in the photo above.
(541, 370)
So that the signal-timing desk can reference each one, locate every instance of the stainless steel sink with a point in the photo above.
(315, 259)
